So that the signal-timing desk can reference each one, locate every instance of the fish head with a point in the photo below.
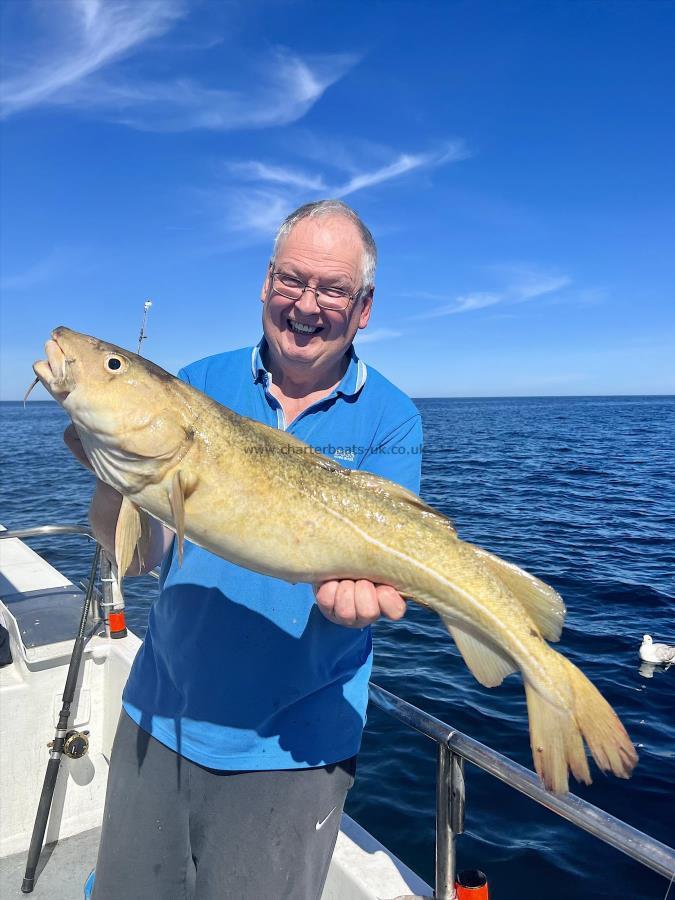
(133, 418)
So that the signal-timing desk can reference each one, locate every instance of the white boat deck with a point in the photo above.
(360, 863)
(40, 609)
(63, 869)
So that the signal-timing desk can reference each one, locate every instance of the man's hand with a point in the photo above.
(356, 604)
(72, 441)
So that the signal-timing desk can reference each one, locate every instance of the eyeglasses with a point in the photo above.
(326, 297)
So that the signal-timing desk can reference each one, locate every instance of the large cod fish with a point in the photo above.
(208, 474)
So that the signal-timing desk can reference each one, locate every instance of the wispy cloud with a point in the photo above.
(405, 163)
(87, 39)
(280, 188)
(257, 210)
(527, 284)
(46, 270)
(83, 36)
(252, 170)
(377, 334)
(278, 90)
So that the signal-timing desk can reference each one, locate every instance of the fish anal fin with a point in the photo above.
(127, 534)
(486, 665)
(542, 603)
(182, 486)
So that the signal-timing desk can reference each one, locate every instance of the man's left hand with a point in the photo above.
(356, 604)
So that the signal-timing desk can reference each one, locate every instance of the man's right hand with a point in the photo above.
(72, 441)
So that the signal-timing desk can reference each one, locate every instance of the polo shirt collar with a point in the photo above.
(352, 381)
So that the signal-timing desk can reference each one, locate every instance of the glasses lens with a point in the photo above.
(288, 286)
(293, 289)
(326, 301)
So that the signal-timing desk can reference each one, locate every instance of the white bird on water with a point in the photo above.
(656, 653)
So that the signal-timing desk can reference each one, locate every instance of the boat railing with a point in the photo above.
(454, 749)
(109, 597)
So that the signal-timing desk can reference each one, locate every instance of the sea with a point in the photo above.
(578, 490)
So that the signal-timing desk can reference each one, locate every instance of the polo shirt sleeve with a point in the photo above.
(398, 455)
(184, 375)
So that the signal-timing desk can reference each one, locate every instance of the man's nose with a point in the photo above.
(306, 303)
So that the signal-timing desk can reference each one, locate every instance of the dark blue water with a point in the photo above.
(580, 491)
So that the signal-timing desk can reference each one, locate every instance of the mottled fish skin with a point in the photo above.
(264, 500)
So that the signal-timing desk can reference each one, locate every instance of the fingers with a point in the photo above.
(392, 604)
(72, 441)
(356, 604)
(325, 597)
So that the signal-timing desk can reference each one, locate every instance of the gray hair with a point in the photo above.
(320, 208)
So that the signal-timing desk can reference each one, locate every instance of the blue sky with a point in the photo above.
(513, 159)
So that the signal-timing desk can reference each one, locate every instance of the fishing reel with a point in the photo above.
(75, 744)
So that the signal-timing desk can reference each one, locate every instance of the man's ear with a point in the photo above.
(264, 293)
(367, 304)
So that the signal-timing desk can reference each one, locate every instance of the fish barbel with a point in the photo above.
(264, 500)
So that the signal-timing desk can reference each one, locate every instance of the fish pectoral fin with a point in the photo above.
(133, 530)
(182, 485)
(543, 604)
(486, 665)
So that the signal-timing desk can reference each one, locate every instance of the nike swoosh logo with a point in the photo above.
(323, 822)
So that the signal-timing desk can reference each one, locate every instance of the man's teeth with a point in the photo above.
(299, 328)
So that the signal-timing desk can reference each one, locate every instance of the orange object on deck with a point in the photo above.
(472, 884)
(117, 624)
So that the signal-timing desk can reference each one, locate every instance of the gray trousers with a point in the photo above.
(173, 830)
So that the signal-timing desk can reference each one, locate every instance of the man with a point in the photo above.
(245, 706)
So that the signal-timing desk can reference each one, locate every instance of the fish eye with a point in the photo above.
(114, 363)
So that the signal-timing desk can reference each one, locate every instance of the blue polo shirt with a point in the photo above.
(240, 671)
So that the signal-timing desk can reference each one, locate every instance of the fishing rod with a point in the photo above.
(143, 336)
(73, 743)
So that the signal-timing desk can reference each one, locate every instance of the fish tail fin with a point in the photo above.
(556, 742)
(600, 726)
(557, 735)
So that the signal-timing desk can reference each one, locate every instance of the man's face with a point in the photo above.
(325, 252)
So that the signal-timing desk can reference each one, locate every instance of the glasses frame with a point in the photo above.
(350, 298)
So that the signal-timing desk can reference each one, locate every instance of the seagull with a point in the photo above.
(656, 653)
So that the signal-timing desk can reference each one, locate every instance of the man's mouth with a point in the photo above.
(300, 328)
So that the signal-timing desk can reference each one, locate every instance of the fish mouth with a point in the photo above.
(55, 371)
(58, 335)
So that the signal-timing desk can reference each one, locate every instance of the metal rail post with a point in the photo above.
(107, 601)
(450, 799)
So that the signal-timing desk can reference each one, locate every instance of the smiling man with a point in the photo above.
(245, 706)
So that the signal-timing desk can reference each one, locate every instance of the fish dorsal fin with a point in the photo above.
(542, 603)
(182, 485)
(390, 489)
(132, 531)
(486, 665)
